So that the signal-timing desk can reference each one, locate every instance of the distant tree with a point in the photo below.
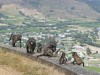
(51, 10)
(21, 13)
(72, 8)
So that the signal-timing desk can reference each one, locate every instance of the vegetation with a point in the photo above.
(25, 65)
(97, 69)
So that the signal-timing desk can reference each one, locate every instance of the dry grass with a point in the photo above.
(25, 65)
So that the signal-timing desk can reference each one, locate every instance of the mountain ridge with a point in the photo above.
(67, 9)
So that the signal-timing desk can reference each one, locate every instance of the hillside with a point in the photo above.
(13, 64)
(95, 4)
(68, 9)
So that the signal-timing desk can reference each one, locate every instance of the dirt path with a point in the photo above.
(5, 70)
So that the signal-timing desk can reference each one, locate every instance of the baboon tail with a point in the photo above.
(10, 37)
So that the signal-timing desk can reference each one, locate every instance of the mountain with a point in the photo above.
(68, 9)
(95, 4)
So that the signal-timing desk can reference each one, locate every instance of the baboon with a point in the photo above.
(47, 52)
(30, 45)
(63, 59)
(49, 49)
(15, 38)
(39, 47)
(77, 59)
(52, 45)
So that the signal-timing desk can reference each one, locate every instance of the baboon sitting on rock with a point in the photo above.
(15, 38)
(63, 59)
(51, 45)
(47, 52)
(30, 45)
(77, 59)
(48, 49)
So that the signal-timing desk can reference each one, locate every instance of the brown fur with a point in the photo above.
(15, 38)
(62, 59)
(30, 45)
(47, 52)
(51, 45)
(77, 59)
(49, 49)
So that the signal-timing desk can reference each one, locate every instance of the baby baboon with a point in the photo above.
(15, 38)
(39, 47)
(77, 59)
(30, 45)
(63, 59)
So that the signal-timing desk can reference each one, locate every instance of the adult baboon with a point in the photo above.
(47, 52)
(63, 59)
(15, 38)
(30, 45)
(52, 45)
(39, 47)
(77, 59)
(49, 49)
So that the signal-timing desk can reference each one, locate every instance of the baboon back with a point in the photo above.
(15, 38)
(62, 59)
(78, 60)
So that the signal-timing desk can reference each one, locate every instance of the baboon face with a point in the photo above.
(31, 42)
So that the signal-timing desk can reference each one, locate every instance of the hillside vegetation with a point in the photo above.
(25, 66)
(68, 9)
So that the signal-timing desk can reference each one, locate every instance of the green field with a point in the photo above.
(97, 69)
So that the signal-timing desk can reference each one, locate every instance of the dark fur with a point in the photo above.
(15, 38)
(39, 47)
(63, 59)
(30, 45)
(77, 59)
